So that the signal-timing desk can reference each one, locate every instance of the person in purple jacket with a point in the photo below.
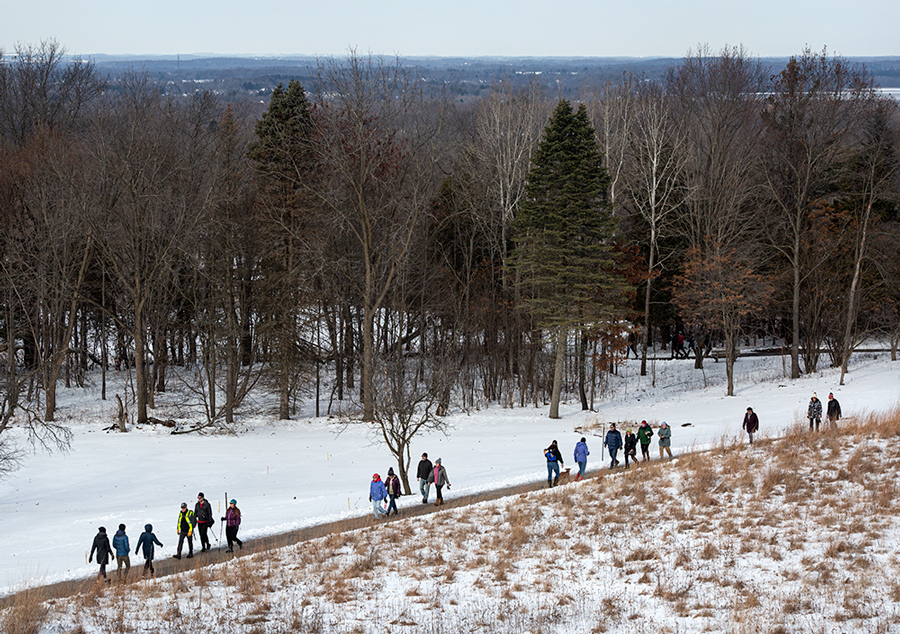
(232, 522)
(392, 484)
(377, 493)
(581, 454)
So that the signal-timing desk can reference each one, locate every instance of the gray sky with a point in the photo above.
(640, 28)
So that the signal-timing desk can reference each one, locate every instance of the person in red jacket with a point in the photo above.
(751, 423)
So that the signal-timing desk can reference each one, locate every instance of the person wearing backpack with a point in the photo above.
(554, 462)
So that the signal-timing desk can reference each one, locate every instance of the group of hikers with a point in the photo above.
(200, 518)
(613, 441)
(383, 495)
(813, 415)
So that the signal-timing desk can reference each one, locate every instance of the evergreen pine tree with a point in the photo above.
(283, 157)
(563, 260)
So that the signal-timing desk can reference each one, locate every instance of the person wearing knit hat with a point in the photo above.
(104, 551)
(438, 476)
(665, 440)
(814, 412)
(751, 423)
(232, 522)
(645, 434)
(392, 484)
(630, 441)
(377, 494)
(833, 413)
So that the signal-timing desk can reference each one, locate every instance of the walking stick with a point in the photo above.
(220, 518)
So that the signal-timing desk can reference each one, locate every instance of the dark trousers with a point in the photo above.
(190, 541)
(204, 540)
(231, 536)
(438, 488)
(148, 565)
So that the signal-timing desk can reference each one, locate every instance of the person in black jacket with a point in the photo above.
(203, 515)
(751, 423)
(554, 462)
(103, 549)
(422, 473)
(630, 446)
(833, 412)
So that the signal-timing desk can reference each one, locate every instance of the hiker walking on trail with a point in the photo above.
(630, 448)
(425, 468)
(438, 475)
(377, 494)
(554, 462)
(123, 550)
(833, 412)
(392, 484)
(232, 521)
(613, 442)
(145, 542)
(751, 423)
(185, 528)
(103, 549)
(203, 516)
(581, 454)
(665, 440)
(645, 434)
(814, 412)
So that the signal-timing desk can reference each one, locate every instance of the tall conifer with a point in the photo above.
(565, 268)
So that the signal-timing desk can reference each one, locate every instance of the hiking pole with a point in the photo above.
(220, 517)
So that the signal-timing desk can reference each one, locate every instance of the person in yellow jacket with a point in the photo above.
(185, 527)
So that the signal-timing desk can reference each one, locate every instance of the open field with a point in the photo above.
(797, 534)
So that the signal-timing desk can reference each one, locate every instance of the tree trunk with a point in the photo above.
(367, 382)
(582, 359)
(854, 291)
(561, 340)
(795, 312)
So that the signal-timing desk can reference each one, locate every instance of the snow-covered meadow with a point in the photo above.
(291, 474)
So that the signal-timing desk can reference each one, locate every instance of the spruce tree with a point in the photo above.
(284, 161)
(563, 260)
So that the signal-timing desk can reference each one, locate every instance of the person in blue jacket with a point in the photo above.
(613, 442)
(581, 454)
(123, 550)
(146, 541)
(377, 493)
(554, 462)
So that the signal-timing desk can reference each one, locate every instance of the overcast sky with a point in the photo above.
(639, 28)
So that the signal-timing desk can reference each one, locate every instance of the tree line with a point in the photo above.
(370, 245)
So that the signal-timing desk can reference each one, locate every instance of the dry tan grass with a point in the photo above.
(27, 614)
(682, 538)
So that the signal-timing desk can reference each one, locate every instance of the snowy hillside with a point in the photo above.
(287, 475)
(791, 535)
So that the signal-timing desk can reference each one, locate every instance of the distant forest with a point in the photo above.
(397, 238)
(465, 78)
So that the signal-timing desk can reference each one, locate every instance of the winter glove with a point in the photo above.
(223, 519)
(370, 498)
(90, 559)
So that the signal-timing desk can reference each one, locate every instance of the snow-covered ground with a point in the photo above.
(291, 474)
